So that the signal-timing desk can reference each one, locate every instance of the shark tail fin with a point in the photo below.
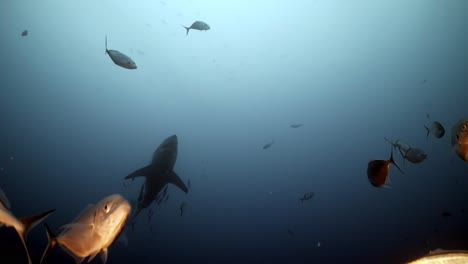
(52, 242)
(186, 28)
(29, 223)
(175, 179)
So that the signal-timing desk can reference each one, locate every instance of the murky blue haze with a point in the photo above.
(74, 124)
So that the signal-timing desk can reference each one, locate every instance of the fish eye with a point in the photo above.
(106, 208)
(463, 127)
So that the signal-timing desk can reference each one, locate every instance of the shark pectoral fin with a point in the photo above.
(104, 255)
(175, 179)
(145, 171)
(123, 238)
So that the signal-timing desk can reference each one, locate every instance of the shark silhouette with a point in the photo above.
(158, 174)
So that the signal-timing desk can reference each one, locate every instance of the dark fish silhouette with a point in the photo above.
(307, 196)
(198, 25)
(378, 171)
(268, 145)
(24, 33)
(295, 125)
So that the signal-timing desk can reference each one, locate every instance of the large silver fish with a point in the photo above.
(409, 153)
(22, 226)
(440, 256)
(93, 231)
(121, 59)
(459, 139)
(198, 25)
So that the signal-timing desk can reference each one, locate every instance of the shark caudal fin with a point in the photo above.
(175, 179)
(145, 171)
(29, 223)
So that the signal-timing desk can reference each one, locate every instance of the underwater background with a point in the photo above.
(74, 124)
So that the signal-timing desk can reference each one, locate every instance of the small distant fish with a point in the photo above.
(446, 214)
(378, 171)
(198, 25)
(290, 232)
(24, 33)
(459, 139)
(93, 231)
(436, 128)
(409, 153)
(440, 256)
(121, 59)
(295, 125)
(307, 196)
(268, 145)
(22, 226)
(182, 208)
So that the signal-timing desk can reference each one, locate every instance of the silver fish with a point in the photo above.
(307, 196)
(93, 231)
(268, 145)
(436, 128)
(440, 256)
(459, 139)
(409, 153)
(22, 226)
(198, 25)
(121, 59)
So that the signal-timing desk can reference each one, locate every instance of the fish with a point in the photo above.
(409, 153)
(440, 256)
(182, 208)
(22, 226)
(436, 128)
(93, 231)
(158, 174)
(307, 196)
(378, 171)
(120, 59)
(295, 125)
(459, 139)
(268, 145)
(198, 25)
(24, 33)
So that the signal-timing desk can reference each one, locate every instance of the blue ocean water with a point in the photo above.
(74, 124)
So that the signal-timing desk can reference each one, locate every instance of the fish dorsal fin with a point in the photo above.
(104, 255)
(175, 179)
(4, 199)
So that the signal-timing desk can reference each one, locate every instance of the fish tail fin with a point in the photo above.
(428, 132)
(29, 223)
(392, 161)
(52, 242)
(391, 142)
(186, 28)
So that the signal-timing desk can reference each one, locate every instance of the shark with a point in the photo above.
(158, 174)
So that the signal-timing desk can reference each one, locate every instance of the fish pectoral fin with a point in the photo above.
(52, 241)
(175, 179)
(92, 256)
(142, 172)
(104, 255)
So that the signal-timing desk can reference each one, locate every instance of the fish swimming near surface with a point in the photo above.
(198, 25)
(459, 139)
(409, 153)
(440, 256)
(378, 171)
(268, 145)
(93, 231)
(307, 196)
(436, 128)
(22, 226)
(24, 33)
(158, 174)
(295, 125)
(121, 59)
